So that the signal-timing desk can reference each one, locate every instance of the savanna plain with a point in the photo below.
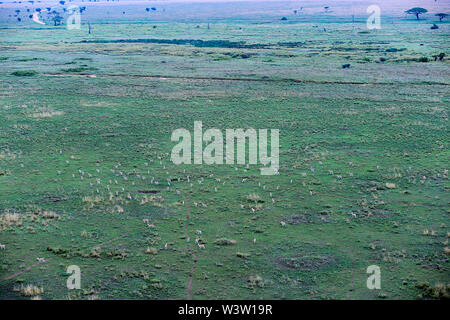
(86, 177)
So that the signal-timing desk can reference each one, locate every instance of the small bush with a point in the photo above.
(423, 59)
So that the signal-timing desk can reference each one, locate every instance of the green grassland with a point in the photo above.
(85, 134)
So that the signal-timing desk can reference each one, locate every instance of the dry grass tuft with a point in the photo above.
(10, 219)
(30, 290)
(151, 251)
(255, 281)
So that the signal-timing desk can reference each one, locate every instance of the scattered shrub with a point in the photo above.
(242, 255)
(438, 291)
(225, 242)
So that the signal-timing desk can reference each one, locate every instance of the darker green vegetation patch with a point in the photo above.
(395, 50)
(79, 69)
(28, 59)
(203, 43)
(306, 262)
(24, 73)
(195, 43)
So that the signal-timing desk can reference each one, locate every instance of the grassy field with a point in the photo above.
(85, 151)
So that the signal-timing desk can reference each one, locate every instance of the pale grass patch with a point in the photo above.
(95, 104)
(117, 209)
(350, 112)
(253, 197)
(154, 200)
(21, 126)
(7, 155)
(46, 112)
(85, 234)
(9, 219)
(92, 199)
(388, 110)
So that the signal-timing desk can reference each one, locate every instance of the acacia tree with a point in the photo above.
(416, 11)
(57, 19)
(441, 16)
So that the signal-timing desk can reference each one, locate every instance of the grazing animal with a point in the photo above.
(145, 220)
(2, 246)
(165, 246)
(201, 246)
(40, 259)
(346, 66)
(199, 231)
(283, 224)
